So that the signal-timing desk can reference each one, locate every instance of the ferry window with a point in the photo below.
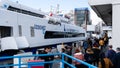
(25, 12)
(20, 30)
(53, 22)
(13, 9)
(82, 35)
(79, 35)
(55, 34)
(50, 22)
(32, 31)
(6, 31)
(68, 34)
(64, 21)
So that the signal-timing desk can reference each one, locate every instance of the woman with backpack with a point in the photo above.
(79, 55)
(104, 62)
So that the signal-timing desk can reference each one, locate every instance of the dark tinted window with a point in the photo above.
(24, 12)
(55, 34)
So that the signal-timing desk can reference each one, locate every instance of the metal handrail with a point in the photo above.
(63, 55)
(82, 62)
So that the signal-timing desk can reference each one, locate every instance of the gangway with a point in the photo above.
(62, 60)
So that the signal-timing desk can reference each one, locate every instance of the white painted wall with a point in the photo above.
(116, 26)
(103, 2)
(9, 19)
(90, 27)
(115, 19)
(99, 2)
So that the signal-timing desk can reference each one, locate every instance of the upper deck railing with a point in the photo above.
(63, 55)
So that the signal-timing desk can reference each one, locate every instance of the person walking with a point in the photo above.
(106, 39)
(104, 62)
(116, 59)
(46, 58)
(85, 45)
(79, 55)
(89, 56)
(89, 42)
(110, 53)
(96, 54)
(101, 44)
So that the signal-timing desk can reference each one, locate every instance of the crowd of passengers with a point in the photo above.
(93, 51)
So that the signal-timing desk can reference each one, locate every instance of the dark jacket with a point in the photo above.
(85, 45)
(89, 56)
(116, 60)
(46, 58)
(96, 51)
(110, 54)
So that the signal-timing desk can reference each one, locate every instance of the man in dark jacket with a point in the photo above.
(85, 45)
(96, 52)
(116, 59)
(47, 58)
(110, 53)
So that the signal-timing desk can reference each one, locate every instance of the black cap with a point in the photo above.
(118, 48)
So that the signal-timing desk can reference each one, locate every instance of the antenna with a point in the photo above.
(51, 8)
(57, 9)
(17, 2)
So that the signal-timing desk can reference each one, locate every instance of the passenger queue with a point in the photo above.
(93, 51)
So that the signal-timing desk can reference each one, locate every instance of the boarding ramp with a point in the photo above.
(19, 63)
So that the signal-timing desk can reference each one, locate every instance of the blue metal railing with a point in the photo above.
(63, 55)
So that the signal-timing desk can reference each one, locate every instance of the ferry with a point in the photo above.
(25, 28)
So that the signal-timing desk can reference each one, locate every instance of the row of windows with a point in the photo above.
(32, 32)
(53, 22)
(24, 12)
(64, 21)
(80, 19)
(53, 34)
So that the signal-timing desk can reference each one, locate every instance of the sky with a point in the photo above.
(64, 6)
